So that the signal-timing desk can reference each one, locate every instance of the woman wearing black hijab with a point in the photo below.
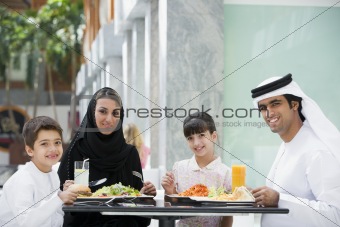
(100, 139)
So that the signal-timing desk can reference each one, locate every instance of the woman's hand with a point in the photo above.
(67, 184)
(148, 189)
(168, 183)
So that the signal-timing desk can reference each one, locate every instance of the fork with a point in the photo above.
(139, 175)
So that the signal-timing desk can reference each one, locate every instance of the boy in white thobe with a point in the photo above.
(31, 197)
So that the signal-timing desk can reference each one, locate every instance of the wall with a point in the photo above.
(191, 66)
(171, 55)
(273, 40)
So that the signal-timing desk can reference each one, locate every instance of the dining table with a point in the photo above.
(168, 209)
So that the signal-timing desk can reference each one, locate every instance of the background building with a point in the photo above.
(162, 57)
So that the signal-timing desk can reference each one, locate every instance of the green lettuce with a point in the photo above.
(213, 192)
(116, 190)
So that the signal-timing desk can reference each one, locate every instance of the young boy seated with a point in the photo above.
(31, 197)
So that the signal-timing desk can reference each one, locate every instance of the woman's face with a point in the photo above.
(107, 115)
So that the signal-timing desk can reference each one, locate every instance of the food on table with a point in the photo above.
(219, 194)
(239, 194)
(116, 190)
(196, 190)
(80, 189)
(213, 192)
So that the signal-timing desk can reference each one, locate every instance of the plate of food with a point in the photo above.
(197, 190)
(210, 200)
(241, 195)
(117, 197)
(200, 193)
(115, 191)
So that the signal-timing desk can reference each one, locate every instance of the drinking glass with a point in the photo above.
(81, 172)
(238, 173)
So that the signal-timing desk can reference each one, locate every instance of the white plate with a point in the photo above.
(116, 197)
(177, 196)
(206, 199)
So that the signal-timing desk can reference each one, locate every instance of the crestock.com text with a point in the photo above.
(182, 112)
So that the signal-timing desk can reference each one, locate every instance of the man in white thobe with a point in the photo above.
(305, 176)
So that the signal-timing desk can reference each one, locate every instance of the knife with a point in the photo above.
(97, 182)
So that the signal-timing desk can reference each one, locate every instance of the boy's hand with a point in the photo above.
(67, 184)
(68, 197)
(148, 189)
(168, 183)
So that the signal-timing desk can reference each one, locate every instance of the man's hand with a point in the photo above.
(148, 189)
(265, 196)
(168, 183)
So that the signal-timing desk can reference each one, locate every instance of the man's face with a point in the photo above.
(280, 117)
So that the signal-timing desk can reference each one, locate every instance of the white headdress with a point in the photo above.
(319, 123)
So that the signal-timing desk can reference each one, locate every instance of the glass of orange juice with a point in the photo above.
(238, 173)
